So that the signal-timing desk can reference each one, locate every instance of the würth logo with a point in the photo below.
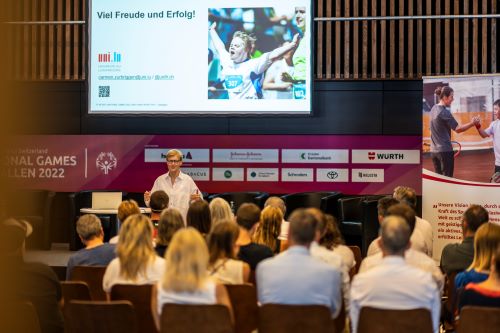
(371, 155)
(390, 156)
(109, 57)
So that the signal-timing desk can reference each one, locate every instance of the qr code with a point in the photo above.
(103, 91)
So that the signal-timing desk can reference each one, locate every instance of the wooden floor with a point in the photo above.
(474, 166)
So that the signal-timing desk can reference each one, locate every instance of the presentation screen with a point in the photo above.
(200, 57)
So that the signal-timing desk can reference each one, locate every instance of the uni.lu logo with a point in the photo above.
(371, 155)
(109, 57)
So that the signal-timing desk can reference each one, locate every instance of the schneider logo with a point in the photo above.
(384, 156)
(332, 175)
(228, 174)
(109, 57)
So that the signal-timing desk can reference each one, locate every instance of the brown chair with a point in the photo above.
(246, 312)
(92, 275)
(372, 320)
(357, 256)
(101, 317)
(19, 317)
(181, 318)
(477, 319)
(340, 320)
(449, 306)
(279, 318)
(75, 290)
(140, 296)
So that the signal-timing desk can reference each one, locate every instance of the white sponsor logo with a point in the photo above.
(367, 175)
(262, 175)
(332, 175)
(297, 175)
(106, 162)
(197, 173)
(393, 156)
(246, 155)
(227, 174)
(315, 156)
(153, 155)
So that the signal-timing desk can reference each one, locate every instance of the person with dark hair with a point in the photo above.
(247, 217)
(158, 202)
(441, 123)
(96, 252)
(494, 131)
(457, 257)
(394, 283)
(32, 282)
(383, 205)
(198, 217)
(170, 222)
(294, 276)
(223, 249)
(332, 240)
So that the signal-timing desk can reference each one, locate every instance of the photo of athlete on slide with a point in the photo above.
(494, 131)
(241, 75)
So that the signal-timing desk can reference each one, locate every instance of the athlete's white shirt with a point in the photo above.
(494, 131)
(238, 76)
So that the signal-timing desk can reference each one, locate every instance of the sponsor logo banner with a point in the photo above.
(367, 175)
(227, 174)
(332, 175)
(154, 155)
(197, 173)
(262, 175)
(386, 156)
(297, 175)
(315, 156)
(245, 155)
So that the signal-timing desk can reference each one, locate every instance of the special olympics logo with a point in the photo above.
(106, 162)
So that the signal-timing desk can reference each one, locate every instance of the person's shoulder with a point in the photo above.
(448, 249)
(40, 269)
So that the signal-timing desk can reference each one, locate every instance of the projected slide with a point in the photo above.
(200, 57)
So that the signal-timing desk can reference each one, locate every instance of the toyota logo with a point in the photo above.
(332, 174)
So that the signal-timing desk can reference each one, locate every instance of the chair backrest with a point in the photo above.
(92, 275)
(279, 318)
(180, 318)
(372, 320)
(239, 198)
(19, 317)
(370, 223)
(475, 319)
(320, 200)
(340, 320)
(75, 290)
(140, 297)
(357, 257)
(244, 301)
(350, 209)
(101, 317)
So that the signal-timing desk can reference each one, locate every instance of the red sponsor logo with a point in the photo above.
(371, 155)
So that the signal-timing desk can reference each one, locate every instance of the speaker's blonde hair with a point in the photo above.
(186, 262)
(135, 247)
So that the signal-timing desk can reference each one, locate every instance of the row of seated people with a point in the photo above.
(394, 277)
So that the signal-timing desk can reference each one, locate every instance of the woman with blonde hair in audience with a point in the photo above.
(269, 227)
(486, 242)
(126, 208)
(332, 240)
(170, 222)
(198, 217)
(223, 250)
(136, 262)
(220, 211)
(186, 279)
(486, 293)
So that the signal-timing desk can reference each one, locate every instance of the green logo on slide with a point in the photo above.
(228, 174)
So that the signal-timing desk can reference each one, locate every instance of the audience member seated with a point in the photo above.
(170, 222)
(137, 262)
(198, 217)
(223, 249)
(126, 208)
(457, 257)
(186, 279)
(96, 252)
(279, 203)
(394, 284)
(32, 282)
(486, 293)
(416, 240)
(412, 257)
(332, 240)
(158, 202)
(423, 228)
(268, 229)
(247, 218)
(220, 211)
(294, 276)
(486, 242)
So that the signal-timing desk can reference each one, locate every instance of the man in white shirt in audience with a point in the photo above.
(394, 284)
(294, 276)
(412, 257)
